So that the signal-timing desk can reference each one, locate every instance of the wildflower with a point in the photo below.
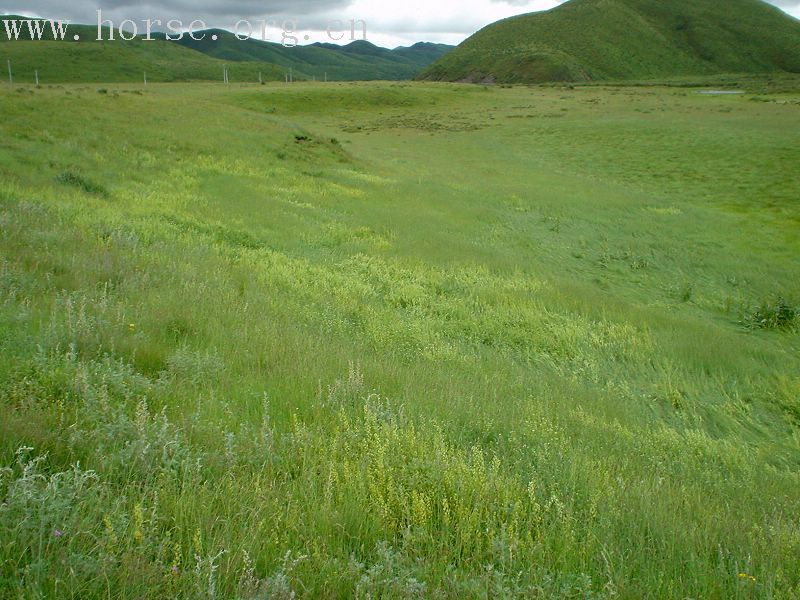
(58, 533)
(175, 569)
(747, 577)
(138, 520)
(132, 326)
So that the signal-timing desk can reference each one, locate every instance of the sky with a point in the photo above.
(389, 24)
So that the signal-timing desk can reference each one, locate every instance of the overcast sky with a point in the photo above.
(389, 24)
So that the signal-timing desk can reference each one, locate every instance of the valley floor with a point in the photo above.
(399, 340)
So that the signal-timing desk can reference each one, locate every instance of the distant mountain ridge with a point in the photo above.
(203, 59)
(628, 39)
(359, 60)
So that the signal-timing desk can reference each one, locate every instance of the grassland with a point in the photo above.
(591, 40)
(123, 62)
(410, 340)
(117, 61)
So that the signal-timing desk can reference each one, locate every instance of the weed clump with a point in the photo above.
(77, 180)
(778, 315)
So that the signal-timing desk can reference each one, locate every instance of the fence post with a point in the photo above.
(10, 74)
(37, 77)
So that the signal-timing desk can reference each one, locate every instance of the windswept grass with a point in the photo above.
(321, 351)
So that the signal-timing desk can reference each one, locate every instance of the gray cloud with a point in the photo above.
(512, 2)
(214, 13)
(310, 14)
(790, 6)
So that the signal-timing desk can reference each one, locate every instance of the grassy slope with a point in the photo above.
(357, 61)
(629, 39)
(398, 341)
(90, 61)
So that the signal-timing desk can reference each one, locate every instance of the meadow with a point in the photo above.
(122, 62)
(399, 341)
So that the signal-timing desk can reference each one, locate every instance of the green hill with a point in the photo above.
(90, 61)
(360, 60)
(628, 39)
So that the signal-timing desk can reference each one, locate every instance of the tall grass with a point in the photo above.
(364, 370)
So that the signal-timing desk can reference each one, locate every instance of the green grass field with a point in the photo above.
(398, 341)
(122, 62)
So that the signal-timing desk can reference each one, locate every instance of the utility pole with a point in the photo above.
(326, 77)
(260, 78)
(291, 75)
(145, 79)
(10, 74)
(225, 74)
(37, 77)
